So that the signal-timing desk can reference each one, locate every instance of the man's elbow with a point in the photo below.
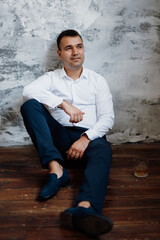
(25, 94)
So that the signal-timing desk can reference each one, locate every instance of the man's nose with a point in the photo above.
(74, 51)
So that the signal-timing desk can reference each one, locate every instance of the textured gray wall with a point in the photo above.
(122, 42)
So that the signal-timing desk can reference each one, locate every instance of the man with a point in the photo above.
(67, 114)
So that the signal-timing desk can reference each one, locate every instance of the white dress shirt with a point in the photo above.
(89, 93)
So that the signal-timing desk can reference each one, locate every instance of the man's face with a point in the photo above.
(72, 52)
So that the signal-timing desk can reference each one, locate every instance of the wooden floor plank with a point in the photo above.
(122, 232)
(30, 206)
(37, 182)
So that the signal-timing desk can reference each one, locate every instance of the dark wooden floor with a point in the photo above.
(132, 203)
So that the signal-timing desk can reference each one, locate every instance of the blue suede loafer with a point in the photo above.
(86, 220)
(53, 185)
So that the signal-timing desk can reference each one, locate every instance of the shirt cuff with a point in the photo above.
(54, 101)
(92, 134)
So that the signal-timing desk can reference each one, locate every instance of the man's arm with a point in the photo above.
(75, 114)
(40, 90)
(104, 111)
(77, 149)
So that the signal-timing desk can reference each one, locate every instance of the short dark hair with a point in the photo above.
(67, 33)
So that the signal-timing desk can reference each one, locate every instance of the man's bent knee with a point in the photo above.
(28, 105)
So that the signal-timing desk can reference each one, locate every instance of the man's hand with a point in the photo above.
(75, 114)
(77, 149)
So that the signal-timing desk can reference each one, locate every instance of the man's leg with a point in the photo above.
(86, 215)
(49, 137)
(96, 174)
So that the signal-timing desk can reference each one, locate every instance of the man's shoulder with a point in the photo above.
(53, 73)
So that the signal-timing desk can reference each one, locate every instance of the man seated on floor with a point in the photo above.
(67, 113)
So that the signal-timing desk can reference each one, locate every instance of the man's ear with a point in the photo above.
(59, 54)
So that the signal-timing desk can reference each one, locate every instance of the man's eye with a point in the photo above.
(68, 48)
(80, 46)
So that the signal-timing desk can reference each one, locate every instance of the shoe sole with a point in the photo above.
(90, 224)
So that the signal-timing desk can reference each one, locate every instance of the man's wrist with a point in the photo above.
(62, 104)
(86, 137)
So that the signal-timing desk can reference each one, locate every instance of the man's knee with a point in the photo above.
(28, 106)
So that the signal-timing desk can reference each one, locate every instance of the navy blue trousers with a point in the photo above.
(52, 140)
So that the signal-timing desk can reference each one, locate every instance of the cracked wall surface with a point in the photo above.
(122, 42)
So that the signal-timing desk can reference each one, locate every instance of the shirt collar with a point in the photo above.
(64, 75)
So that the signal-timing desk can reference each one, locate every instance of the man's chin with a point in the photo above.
(76, 66)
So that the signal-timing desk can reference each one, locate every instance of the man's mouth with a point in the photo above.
(77, 58)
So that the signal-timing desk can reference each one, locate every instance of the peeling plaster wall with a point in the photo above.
(122, 42)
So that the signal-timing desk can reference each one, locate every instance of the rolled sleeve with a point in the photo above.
(92, 134)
